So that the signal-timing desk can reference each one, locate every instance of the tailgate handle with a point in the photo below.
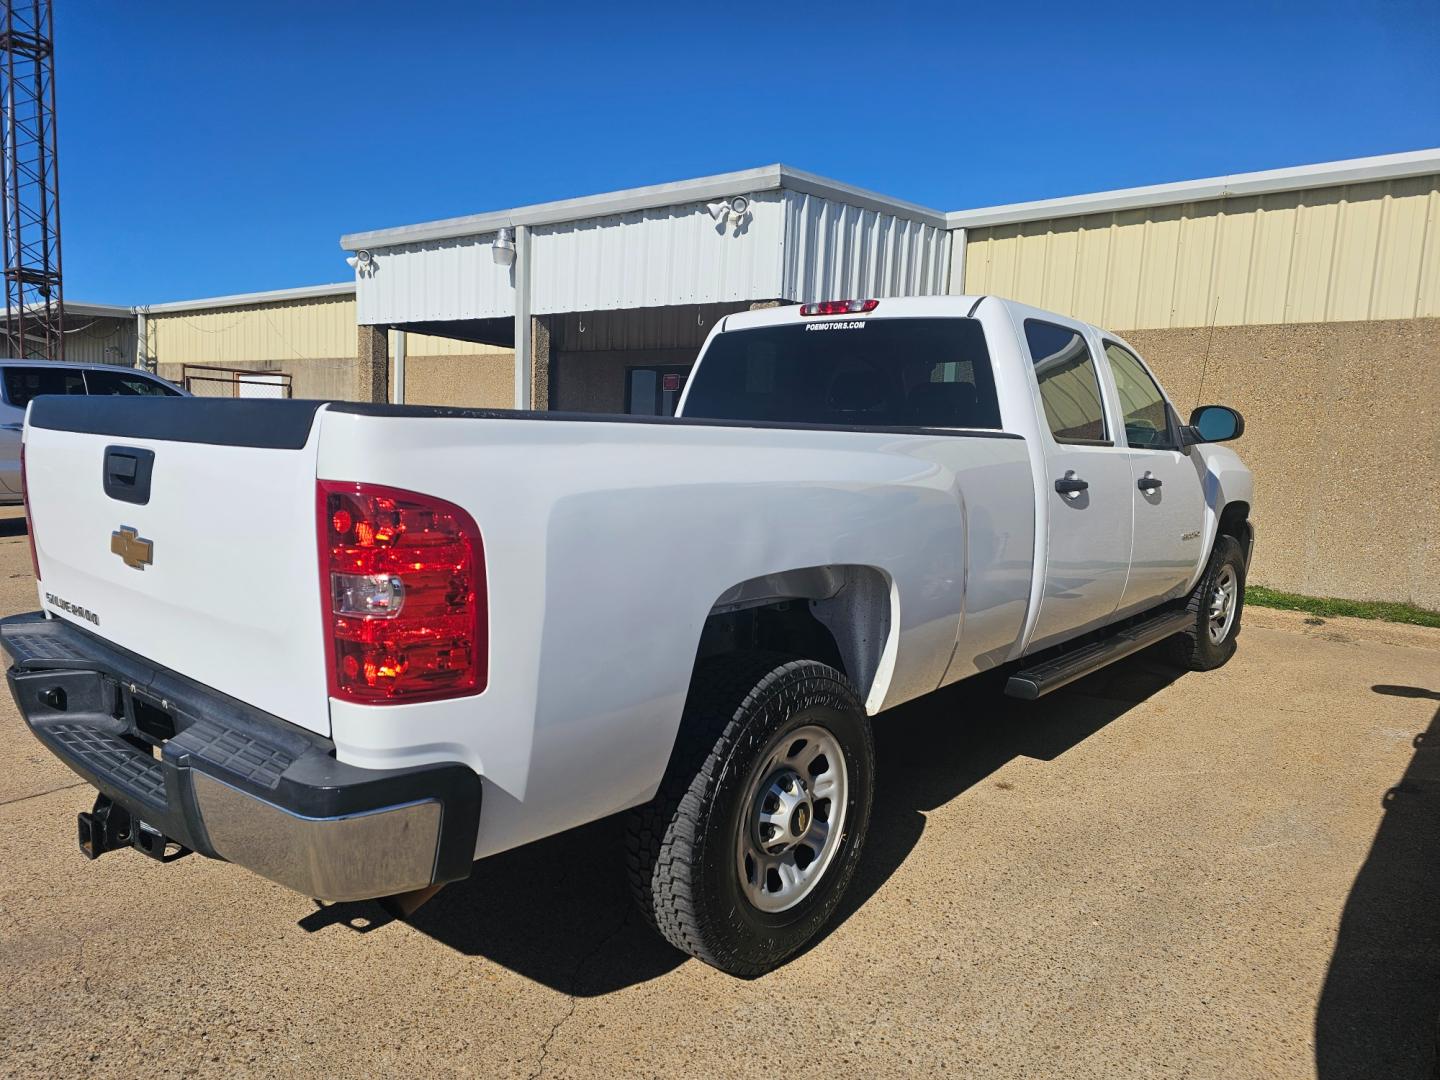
(127, 473)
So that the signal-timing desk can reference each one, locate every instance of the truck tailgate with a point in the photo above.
(214, 571)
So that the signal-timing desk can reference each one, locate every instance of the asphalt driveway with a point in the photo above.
(1226, 875)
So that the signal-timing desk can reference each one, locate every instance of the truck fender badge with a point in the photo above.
(1190, 535)
(133, 548)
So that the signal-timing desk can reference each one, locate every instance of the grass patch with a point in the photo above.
(1385, 611)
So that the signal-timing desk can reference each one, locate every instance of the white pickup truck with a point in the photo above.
(355, 648)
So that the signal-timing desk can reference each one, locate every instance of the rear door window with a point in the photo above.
(1069, 383)
(126, 383)
(932, 373)
(24, 383)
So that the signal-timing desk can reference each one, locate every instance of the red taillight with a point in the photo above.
(839, 307)
(402, 585)
(29, 517)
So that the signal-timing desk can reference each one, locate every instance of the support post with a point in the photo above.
(401, 346)
(523, 356)
(539, 362)
(955, 269)
(372, 364)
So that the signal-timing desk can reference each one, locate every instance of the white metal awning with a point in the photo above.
(801, 238)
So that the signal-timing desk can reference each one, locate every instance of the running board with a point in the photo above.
(1035, 682)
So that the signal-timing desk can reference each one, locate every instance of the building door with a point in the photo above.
(654, 391)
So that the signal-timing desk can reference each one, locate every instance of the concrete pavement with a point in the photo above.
(1226, 875)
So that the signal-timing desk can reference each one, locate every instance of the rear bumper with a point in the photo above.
(235, 783)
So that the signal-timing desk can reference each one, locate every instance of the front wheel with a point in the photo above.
(755, 833)
(1216, 604)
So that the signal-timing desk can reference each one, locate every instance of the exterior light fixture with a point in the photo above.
(734, 210)
(362, 262)
(502, 248)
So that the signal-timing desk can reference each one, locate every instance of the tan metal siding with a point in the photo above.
(310, 329)
(1359, 251)
(302, 330)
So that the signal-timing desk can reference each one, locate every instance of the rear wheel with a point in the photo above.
(755, 833)
(1216, 604)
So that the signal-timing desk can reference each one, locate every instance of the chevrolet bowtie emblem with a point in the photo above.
(132, 547)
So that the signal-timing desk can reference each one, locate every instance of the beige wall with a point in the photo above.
(479, 380)
(1362, 251)
(1342, 430)
(329, 378)
(285, 331)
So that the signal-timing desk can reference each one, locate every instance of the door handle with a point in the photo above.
(1071, 484)
(17, 426)
(1148, 483)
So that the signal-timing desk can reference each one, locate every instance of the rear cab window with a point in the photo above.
(876, 372)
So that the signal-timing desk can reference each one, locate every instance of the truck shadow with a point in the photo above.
(1379, 1006)
(559, 911)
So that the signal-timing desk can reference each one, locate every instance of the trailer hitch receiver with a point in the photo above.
(109, 826)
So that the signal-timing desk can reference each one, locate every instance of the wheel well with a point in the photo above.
(839, 615)
(1235, 521)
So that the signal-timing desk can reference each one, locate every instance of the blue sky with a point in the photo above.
(217, 148)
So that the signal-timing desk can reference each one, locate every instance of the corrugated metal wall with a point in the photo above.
(99, 340)
(666, 257)
(834, 250)
(1362, 251)
(299, 330)
(439, 280)
(794, 246)
(309, 329)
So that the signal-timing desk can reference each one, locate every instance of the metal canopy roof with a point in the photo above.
(1300, 178)
(776, 177)
(705, 188)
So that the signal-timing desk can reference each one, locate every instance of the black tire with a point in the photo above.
(1195, 649)
(682, 846)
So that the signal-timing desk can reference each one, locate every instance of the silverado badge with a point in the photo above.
(133, 548)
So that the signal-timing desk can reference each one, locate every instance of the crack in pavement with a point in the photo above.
(574, 986)
(39, 794)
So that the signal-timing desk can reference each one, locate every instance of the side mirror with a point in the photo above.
(1215, 423)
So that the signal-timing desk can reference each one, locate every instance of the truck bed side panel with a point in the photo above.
(606, 546)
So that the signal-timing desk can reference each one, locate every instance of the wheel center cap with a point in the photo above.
(800, 820)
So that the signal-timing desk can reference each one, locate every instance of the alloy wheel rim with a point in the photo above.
(1224, 602)
(794, 818)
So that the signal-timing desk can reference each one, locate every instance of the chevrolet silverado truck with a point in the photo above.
(355, 648)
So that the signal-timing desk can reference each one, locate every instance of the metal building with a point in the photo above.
(93, 334)
(1307, 297)
(599, 296)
